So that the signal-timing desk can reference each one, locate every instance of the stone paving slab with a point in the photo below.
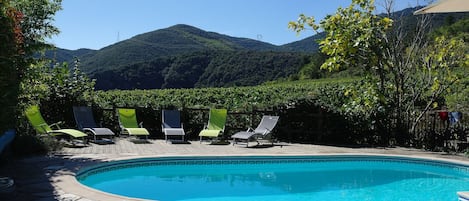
(53, 177)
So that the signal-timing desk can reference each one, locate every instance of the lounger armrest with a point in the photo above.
(141, 124)
(43, 126)
(56, 124)
(266, 131)
(182, 125)
(249, 129)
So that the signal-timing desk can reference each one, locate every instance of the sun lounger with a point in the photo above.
(86, 123)
(262, 132)
(6, 139)
(171, 124)
(128, 123)
(35, 118)
(216, 124)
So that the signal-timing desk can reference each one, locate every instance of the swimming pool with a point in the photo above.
(290, 178)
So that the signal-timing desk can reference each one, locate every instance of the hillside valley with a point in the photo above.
(183, 56)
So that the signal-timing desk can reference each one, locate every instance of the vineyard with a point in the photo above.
(239, 99)
(302, 119)
(310, 111)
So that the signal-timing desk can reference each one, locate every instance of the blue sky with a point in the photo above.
(96, 24)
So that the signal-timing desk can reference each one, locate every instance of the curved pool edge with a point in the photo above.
(69, 185)
(463, 196)
(68, 182)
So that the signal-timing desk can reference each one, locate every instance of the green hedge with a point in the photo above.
(310, 111)
(302, 118)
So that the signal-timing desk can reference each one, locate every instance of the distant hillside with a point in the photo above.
(183, 56)
(204, 69)
(309, 44)
(62, 55)
(175, 40)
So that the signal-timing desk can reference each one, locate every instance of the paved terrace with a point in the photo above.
(44, 178)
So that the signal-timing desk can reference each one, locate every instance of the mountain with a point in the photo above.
(62, 55)
(175, 40)
(309, 44)
(183, 56)
(204, 69)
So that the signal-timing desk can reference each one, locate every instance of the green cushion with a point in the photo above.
(71, 132)
(209, 133)
(136, 131)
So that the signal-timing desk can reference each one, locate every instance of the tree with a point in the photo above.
(407, 75)
(66, 87)
(312, 69)
(10, 53)
(24, 26)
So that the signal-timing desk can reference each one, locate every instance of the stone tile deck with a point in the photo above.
(52, 177)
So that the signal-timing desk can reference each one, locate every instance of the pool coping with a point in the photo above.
(66, 181)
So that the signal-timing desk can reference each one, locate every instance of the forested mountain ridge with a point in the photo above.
(183, 56)
(178, 56)
(64, 55)
(204, 69)
(171, 41)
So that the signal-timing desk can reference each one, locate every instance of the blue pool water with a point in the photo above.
(352, 178)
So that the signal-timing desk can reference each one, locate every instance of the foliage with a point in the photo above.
(353, 36)
(312, 69)
(166, 58)
(250, 68)
(36, 23)
(203, 69)
(459, 92)
(297, 103)
(460, 100)
(358, 104)
(307, 45)
(33, 87)
(25, 24)
(172, 41)
(232, 98)
(10, 56)
(56, 90)
(439, 70)
(454, 28)
(405, 72)
(182, 56)
(69, 85)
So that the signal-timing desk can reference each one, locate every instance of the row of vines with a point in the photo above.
(239, 99)
(310, 111)
(303, 119)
